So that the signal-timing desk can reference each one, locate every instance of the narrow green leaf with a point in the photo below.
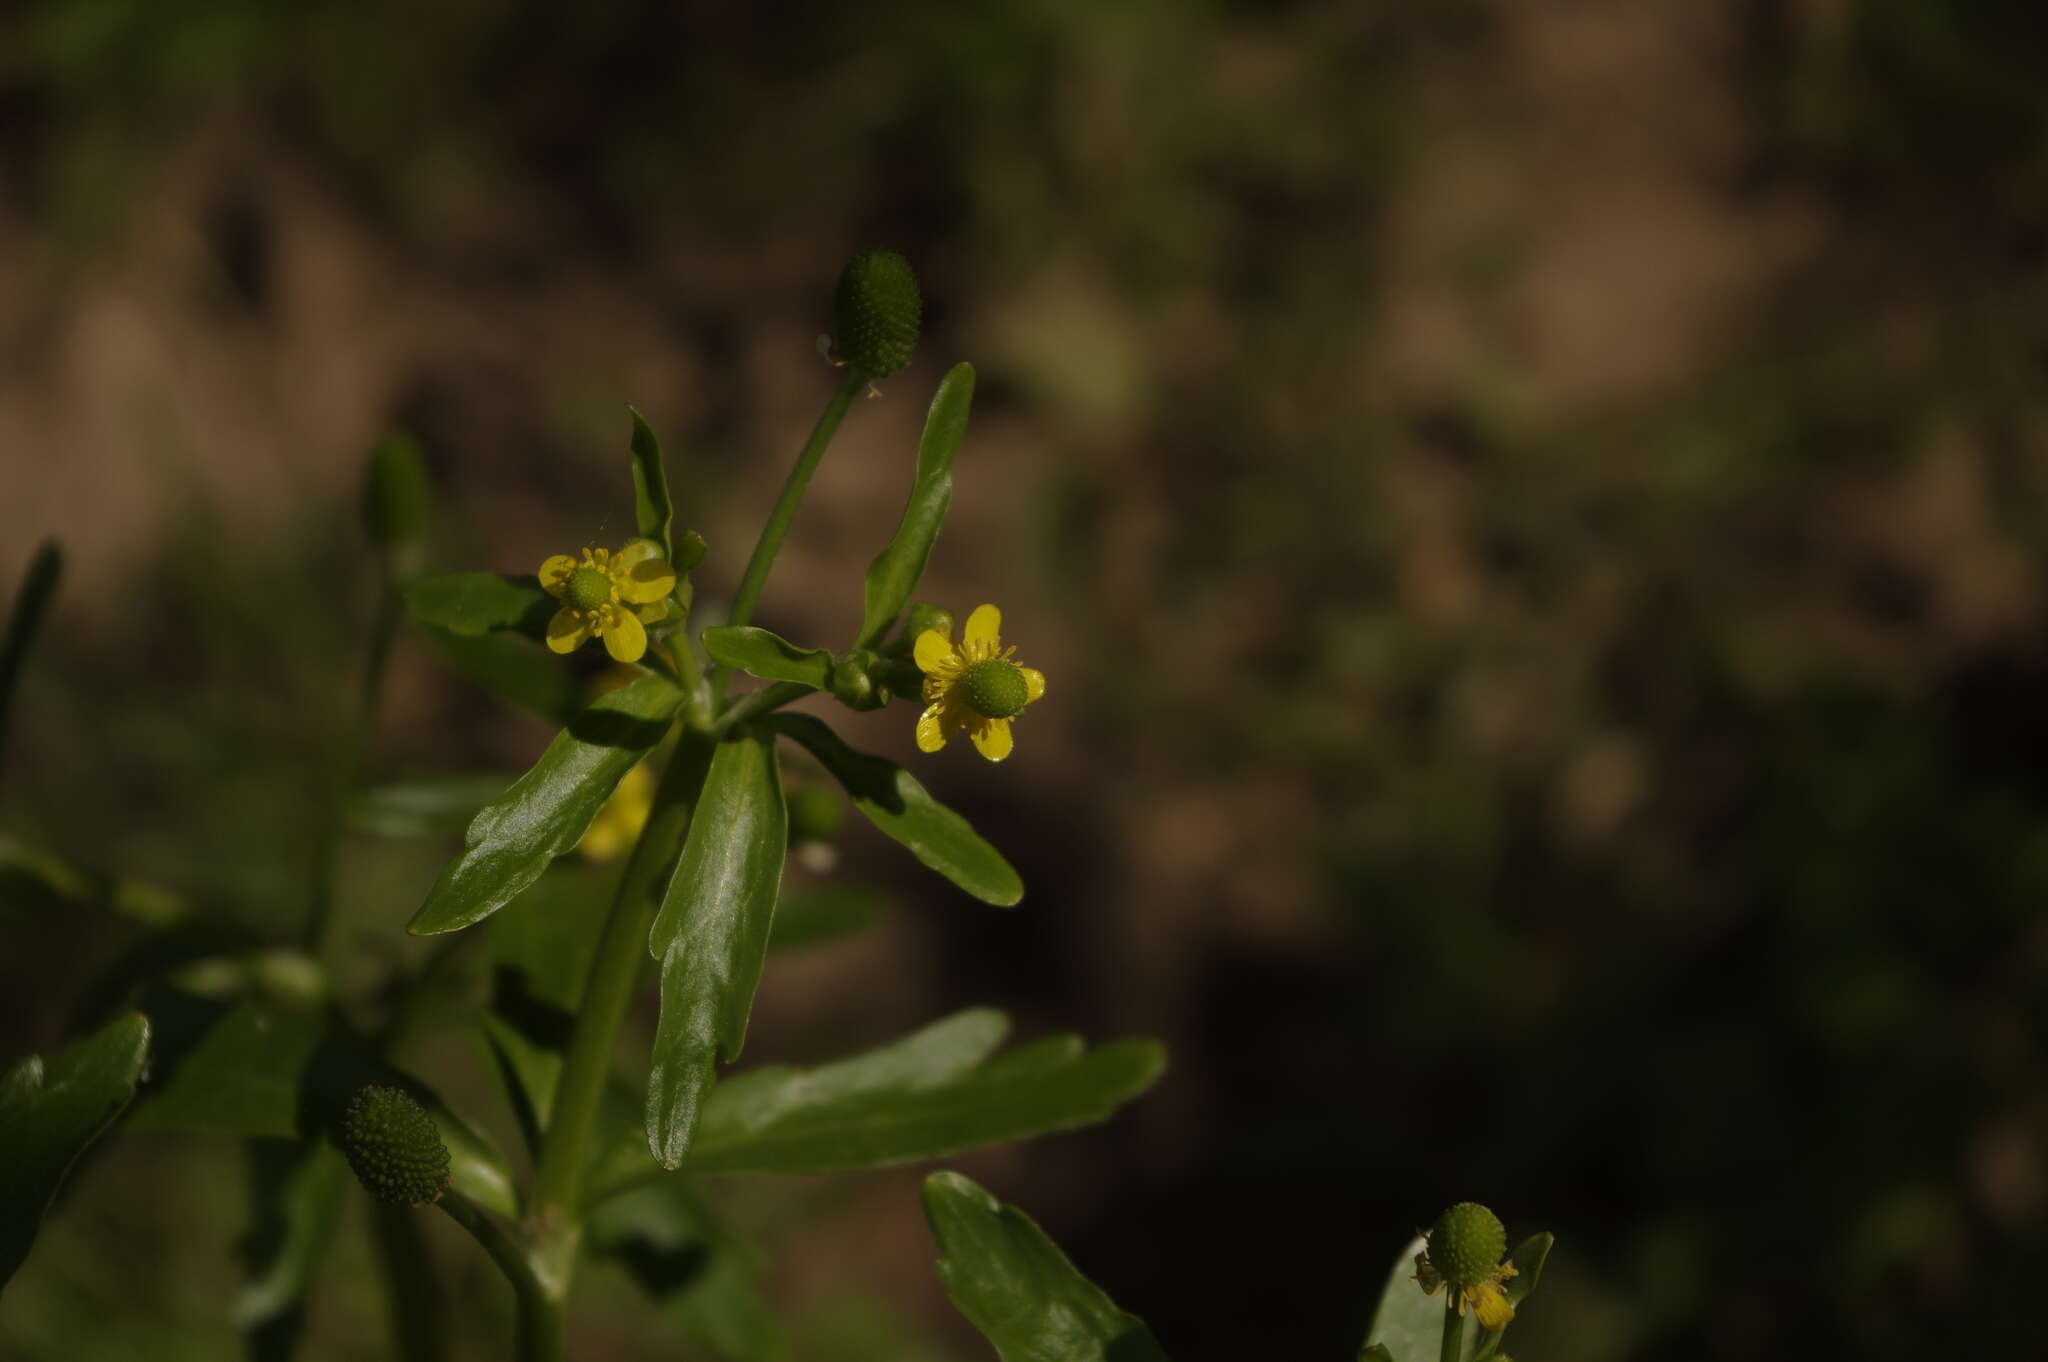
(1013, 1283)
(653, 512)
(31, 602)
(823, 913)
(259, 1070)
(1528, 1260)
(760, 653)
(706, 1277)
(893, 801)
(50, 1111)
(894, 573)
(547, 811)
(473, 603)
(425, 806)
(511, 669)
(934, 1093)
(296, 1191)
(712, 933)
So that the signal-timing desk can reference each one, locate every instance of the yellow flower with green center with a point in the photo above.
(973, 687)
(611, 595)
(1464, 1254)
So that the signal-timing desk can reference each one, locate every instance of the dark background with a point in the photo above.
(1534, 516)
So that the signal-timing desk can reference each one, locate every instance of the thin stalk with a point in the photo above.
(1454, 1328)
(608, 992)
(419, 1306)
(539, 1327)
(772, 533)
(754, 704)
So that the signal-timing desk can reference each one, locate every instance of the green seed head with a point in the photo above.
(875, 313)
(1466, 1244)
(588, 589)
(994, 688)
(394, 1147)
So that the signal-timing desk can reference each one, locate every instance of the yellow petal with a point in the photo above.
(636, 552)
(653, 612)
(624, 638)
(554, 573)
(567, 630)
(985, 625)
(931, 730)
(1490, 1303)
(992, 739)
(1034, 683)
(642, 576)
(934, 654)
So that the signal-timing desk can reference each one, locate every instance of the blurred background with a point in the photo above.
(1534, 516)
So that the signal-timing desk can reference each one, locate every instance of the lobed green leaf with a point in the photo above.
(653, 512)
(760, 653)
(1015, 1286)
(475, 603)
(895, 802)
(711, 934)
(895, 572)
(50, 1111)
(547, 810)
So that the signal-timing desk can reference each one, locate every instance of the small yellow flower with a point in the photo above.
(619, 822)
(972, 687)
(1485, 1296)
(611, 595)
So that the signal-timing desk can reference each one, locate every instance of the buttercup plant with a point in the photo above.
(665, 779)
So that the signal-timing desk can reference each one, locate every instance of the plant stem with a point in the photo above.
(539, 1330)
(772, 533)
(754, 704)
(419, 1306)
(1454, 1328)
(608, 992)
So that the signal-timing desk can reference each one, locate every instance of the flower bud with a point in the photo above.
(851, 684)
(924, 615)
(875, 313)
(394, 1147)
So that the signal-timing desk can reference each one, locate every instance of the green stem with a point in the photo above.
(1454, 1328)
(754, 704)
(608, 992)
(772, 533)
(419, 1307)
(539, 1329)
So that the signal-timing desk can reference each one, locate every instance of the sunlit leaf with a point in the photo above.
(933, 1093)
(50, 1111)
(653, 512)
(760, 653)
(1013, 1283)
(893, 801)
(711, 935)
(547, 811)
(895, 572)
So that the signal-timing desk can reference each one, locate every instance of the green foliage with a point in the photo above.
(933, 1093)
(1015, 1285)
(426, 806)
(895, 802)
(50, 1112)
(398, 505)
(31, 601)
(894, 574)
(547, 810)
(653, 513)
(511, 669)
(711, 936)
(762, 654)
(706, 1277)
(296, 1192)
(474, 603)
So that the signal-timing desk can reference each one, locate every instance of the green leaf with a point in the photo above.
(547, 811)
(297, 1192)
(894, 573)
(1409, 1325)
(1377, 1352)
(653, 512)
(511, 670)
(474, 603)
(711, 935)
(50, 1111)
(1528, 1260)
(1014, 1284)
(259, 1070)
(894, 802)
(426, 806)
(541, 950)
(706, 1277)
(933, 1093)
(823, 913)
(760, 653)
(31, 602)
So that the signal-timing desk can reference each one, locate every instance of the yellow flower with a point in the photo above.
(1485, 1296)
(972, 687)
(612, 595)
(621, 818)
